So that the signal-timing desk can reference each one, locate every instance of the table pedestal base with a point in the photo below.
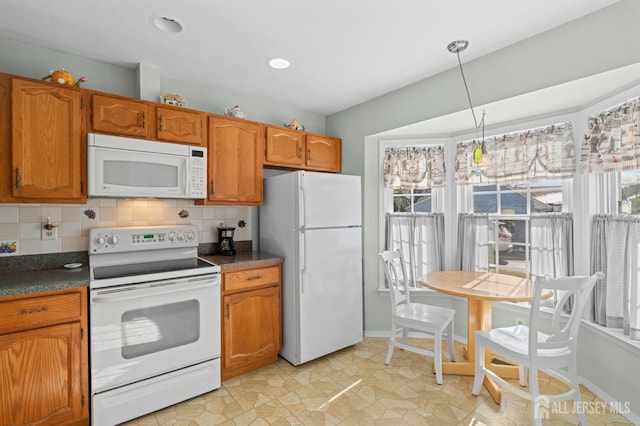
(479, 318)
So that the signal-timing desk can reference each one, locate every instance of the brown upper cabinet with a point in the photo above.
(179, 125)
(302, 150)
(235, 154)
(324, 153)
(284, 147)
(120, 116)
(123, 116)
(47, 160)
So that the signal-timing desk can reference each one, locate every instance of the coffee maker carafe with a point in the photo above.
(225, 241)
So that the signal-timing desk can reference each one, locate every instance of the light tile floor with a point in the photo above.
(354, 387)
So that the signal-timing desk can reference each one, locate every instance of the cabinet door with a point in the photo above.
(251, 326)
(284, 147)
(41, 376)
(323, 153)
(235, 161)
(6, 176)
(47, 146)
(178, 125)
(119, 116)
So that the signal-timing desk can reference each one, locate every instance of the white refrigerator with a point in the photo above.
(313, 220)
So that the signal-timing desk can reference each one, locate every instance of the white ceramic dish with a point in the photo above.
(73, 265)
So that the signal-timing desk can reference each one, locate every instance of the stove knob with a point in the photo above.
(99, 241)
(171, 236)
(180, 236)
(191, 235)
(113, 240)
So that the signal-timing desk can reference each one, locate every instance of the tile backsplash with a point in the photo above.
(21, 224)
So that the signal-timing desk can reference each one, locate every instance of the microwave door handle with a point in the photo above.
(134, 293)
(185, 177)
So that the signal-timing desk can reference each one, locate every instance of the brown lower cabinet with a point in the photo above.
(251, 318)
(43, 359)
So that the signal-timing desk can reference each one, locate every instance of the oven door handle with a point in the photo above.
(153, 290)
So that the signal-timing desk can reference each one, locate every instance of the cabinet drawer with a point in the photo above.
(250, 278)
(27, 313)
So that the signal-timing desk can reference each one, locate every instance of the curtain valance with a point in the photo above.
(414, 167)
(611, 142)
(534, 154)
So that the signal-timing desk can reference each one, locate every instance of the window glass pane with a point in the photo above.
(412, 200)
(422, 203)
(484, 188)
(630, 189)
(513, 202)
(546, 196)
(485, 203)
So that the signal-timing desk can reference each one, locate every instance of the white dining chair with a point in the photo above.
(534, 350)
(407, 315)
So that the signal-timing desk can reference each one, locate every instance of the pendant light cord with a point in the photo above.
(466, 88)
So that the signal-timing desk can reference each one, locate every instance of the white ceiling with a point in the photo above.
(342, 53)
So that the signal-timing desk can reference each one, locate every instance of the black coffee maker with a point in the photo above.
(225, 241)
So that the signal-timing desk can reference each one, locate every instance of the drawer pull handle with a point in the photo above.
(255, 277)
(35, 311)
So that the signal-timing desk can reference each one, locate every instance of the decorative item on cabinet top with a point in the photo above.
(235, 112)
(175, 100)
(63, 76)
(295, 125)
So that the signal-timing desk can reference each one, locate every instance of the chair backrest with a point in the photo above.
(395, 272)
(563, 334)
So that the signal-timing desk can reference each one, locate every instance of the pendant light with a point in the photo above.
(456, 47)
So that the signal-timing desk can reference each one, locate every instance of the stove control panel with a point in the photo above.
(114, 240)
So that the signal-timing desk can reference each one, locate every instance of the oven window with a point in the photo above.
(157, 328)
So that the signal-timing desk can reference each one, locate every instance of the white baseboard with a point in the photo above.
(612, 402)
(385, 335)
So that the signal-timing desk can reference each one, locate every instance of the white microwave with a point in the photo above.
(128, 167)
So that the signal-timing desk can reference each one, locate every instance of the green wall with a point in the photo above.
(144, 82)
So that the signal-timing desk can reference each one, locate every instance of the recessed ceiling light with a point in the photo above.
(167, 24)
(278, 63)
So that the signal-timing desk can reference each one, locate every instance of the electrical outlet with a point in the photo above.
(220, 223)
(520, 321)
(49, 231)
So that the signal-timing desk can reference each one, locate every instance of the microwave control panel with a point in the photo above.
(198, 173)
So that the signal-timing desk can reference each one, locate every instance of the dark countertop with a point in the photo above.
(22, 279)
(243, 259)
(38, 281)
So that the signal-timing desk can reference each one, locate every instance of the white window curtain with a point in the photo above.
(611, 142)
(420, 239)
(534, 154)
(551, 244)
(473, 242)
(552, 247)
(615, 240)
(414, 167)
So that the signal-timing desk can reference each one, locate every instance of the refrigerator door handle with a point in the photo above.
(303, 203)
(303, 259)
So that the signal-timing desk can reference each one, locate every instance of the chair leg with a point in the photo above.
(392, 338)
(437, 356)
(577, 396)
(405, 332)
(452, 351)
(479, 371)
(536, 400)
(523, 374)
